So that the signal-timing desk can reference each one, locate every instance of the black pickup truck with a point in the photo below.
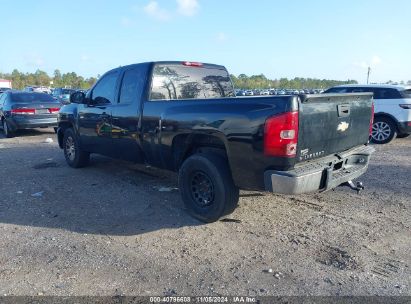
(184, 116)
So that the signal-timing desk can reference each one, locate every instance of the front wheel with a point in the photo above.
(383, 130)
(206, 187)
(75, 156)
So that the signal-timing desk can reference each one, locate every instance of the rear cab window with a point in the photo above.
(178, 81)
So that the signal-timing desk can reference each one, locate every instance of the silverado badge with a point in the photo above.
(342, 126)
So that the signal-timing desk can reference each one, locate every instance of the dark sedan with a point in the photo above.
(24, 110)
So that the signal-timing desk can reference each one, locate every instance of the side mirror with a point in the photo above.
(78, 97)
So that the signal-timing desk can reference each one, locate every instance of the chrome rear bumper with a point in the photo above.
(321, 175)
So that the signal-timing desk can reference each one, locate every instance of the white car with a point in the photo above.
(392, 109)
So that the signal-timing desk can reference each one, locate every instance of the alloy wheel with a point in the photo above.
(70, 148)
(381, 131)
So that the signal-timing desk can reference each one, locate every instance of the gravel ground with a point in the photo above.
(116, 228)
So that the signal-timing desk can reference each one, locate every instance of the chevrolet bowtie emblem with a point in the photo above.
(342, 126)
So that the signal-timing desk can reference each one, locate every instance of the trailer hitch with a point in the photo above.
(358, 186)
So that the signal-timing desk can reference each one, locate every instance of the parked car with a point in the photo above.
(392, 108)
(24, 110)
(4, 90)
(188, 120)
(240, 93)
(249, 93)
(37, 89)
(62, 94)
(265, 92)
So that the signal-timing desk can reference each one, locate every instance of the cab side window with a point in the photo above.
(132, 86)
(105, 90)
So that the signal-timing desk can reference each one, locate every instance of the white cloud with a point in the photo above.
(84, 58)
(221, 37)
(188, 7)
(375, 60)
(126, 22)
(155, 11)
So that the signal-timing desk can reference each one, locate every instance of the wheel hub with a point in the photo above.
(380, 131)
(202, 189)
(70, 148)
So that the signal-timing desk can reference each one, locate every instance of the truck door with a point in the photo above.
(95, 117)
(125, 120)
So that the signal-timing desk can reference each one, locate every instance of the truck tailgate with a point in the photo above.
(332, 123)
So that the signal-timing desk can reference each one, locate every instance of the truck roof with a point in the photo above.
(186, 63)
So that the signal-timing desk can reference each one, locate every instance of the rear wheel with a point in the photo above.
(206, 187)
(6, 129)
(383, 130)
(73, 153)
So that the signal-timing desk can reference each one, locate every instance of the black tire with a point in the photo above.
(6, 129)
(206, 187)
(75, 156)
(383, 130)
(403, 135)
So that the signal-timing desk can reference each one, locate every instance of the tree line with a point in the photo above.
(261, 82)
(41, 78)
(72, 80)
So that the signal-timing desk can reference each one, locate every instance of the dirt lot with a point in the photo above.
(111, 229)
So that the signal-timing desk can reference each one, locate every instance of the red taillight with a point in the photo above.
(23, 111)
(192, 64)
(281, 135)
(54, 110)
(372, 117)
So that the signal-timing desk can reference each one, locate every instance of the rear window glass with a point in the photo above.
(336, 90)
(183, 82)
(406, 93)
(32, 97)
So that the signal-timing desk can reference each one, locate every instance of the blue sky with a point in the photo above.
(321, 39)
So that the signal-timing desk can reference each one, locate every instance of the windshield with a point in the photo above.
(32, 97)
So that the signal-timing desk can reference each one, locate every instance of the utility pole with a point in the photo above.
(368, 74)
